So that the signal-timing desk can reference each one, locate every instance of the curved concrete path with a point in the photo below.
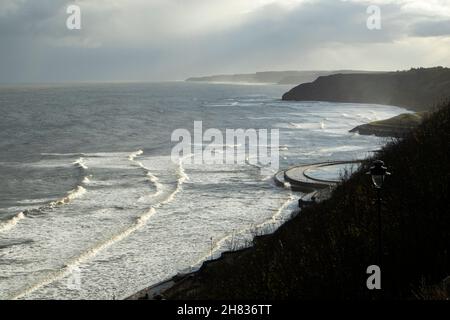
(300, 180)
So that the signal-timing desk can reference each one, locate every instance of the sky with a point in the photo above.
(161, 40)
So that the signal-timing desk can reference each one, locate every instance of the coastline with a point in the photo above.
(397, 126)
(184, 282)
(104, 166)
(157, 290)
(323, 253)
(181, 281)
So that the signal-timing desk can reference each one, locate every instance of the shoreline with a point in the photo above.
(157, 291)
(397, 126)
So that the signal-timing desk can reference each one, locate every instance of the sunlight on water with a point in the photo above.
(96, 188)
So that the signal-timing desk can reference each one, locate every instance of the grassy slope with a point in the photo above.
(324, 252)
(392, 127)
(405, 119)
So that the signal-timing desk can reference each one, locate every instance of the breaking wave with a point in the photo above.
(86, 180)
(78, 192)
(182, 178)
(80, 163)
(93, 251)
(153, 179)
(246, 234)
(9, 224)
(86, 255)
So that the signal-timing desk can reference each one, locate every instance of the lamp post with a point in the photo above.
(379, 172)
(211, 250)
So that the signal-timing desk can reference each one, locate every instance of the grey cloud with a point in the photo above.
(431, 28)
(30, 17)
(139, 41)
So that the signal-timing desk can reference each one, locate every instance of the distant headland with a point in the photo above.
(416, 89)
(273, 77)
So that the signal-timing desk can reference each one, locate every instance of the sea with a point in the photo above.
(93, 205)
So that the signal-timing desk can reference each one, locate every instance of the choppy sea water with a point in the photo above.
(92, 207)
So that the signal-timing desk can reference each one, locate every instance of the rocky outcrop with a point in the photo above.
(394, 127)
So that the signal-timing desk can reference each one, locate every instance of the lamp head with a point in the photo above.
(378, 172)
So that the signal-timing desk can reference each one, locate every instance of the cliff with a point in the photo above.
(397, 126)
(323, 253)
(271, 77)
(416, 89)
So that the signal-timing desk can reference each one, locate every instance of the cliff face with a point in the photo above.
(417, 89)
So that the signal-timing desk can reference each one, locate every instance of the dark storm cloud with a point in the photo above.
(173, 39)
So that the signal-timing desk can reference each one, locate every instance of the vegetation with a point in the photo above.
(325, 250)
(393, 127)
(416, 89)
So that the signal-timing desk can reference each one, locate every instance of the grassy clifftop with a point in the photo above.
(325, 250)
(393, 127)
(416, 89)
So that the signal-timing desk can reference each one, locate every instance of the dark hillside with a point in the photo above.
(325, 250)
(416, 89)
